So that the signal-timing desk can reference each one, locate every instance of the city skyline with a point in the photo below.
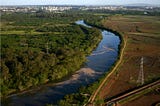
(78, 2)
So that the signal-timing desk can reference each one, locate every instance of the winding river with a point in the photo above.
(100, 60)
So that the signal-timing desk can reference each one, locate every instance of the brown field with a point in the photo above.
(143, 39)
(150, 99)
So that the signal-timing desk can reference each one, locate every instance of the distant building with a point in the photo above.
(145, 13)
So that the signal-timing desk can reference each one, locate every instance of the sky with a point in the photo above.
(76, 2)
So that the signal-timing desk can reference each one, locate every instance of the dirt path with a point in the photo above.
(93, 96)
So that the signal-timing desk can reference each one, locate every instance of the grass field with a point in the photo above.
(143, 40)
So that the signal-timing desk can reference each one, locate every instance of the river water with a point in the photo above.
(100, 60)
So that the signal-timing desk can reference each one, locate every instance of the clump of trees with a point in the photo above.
(29, 60)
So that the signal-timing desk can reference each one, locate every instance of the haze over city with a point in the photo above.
(78, 2)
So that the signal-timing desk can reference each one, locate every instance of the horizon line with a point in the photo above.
(143, 4)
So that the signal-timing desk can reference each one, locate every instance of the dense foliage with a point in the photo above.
(29, 59)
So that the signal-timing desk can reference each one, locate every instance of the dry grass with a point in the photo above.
(143, 33)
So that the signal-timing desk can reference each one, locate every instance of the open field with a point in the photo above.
(143, 40)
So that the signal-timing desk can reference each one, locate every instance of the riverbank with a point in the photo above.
(90, 92)
(27, 67)
(83, 77)
(112, 71)
(143, 40)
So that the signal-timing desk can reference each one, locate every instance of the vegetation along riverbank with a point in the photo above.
(142, 36)
(42, 47)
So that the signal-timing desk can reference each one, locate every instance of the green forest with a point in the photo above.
(42, 47)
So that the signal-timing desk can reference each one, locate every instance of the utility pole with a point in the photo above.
(141, 73)
(47, 48)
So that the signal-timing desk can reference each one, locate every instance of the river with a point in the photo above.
(100, 60)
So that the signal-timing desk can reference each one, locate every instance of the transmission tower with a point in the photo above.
(141, 73)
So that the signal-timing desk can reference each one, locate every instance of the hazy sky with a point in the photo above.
(75, 2)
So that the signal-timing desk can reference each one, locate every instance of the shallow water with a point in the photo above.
(98, 63)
